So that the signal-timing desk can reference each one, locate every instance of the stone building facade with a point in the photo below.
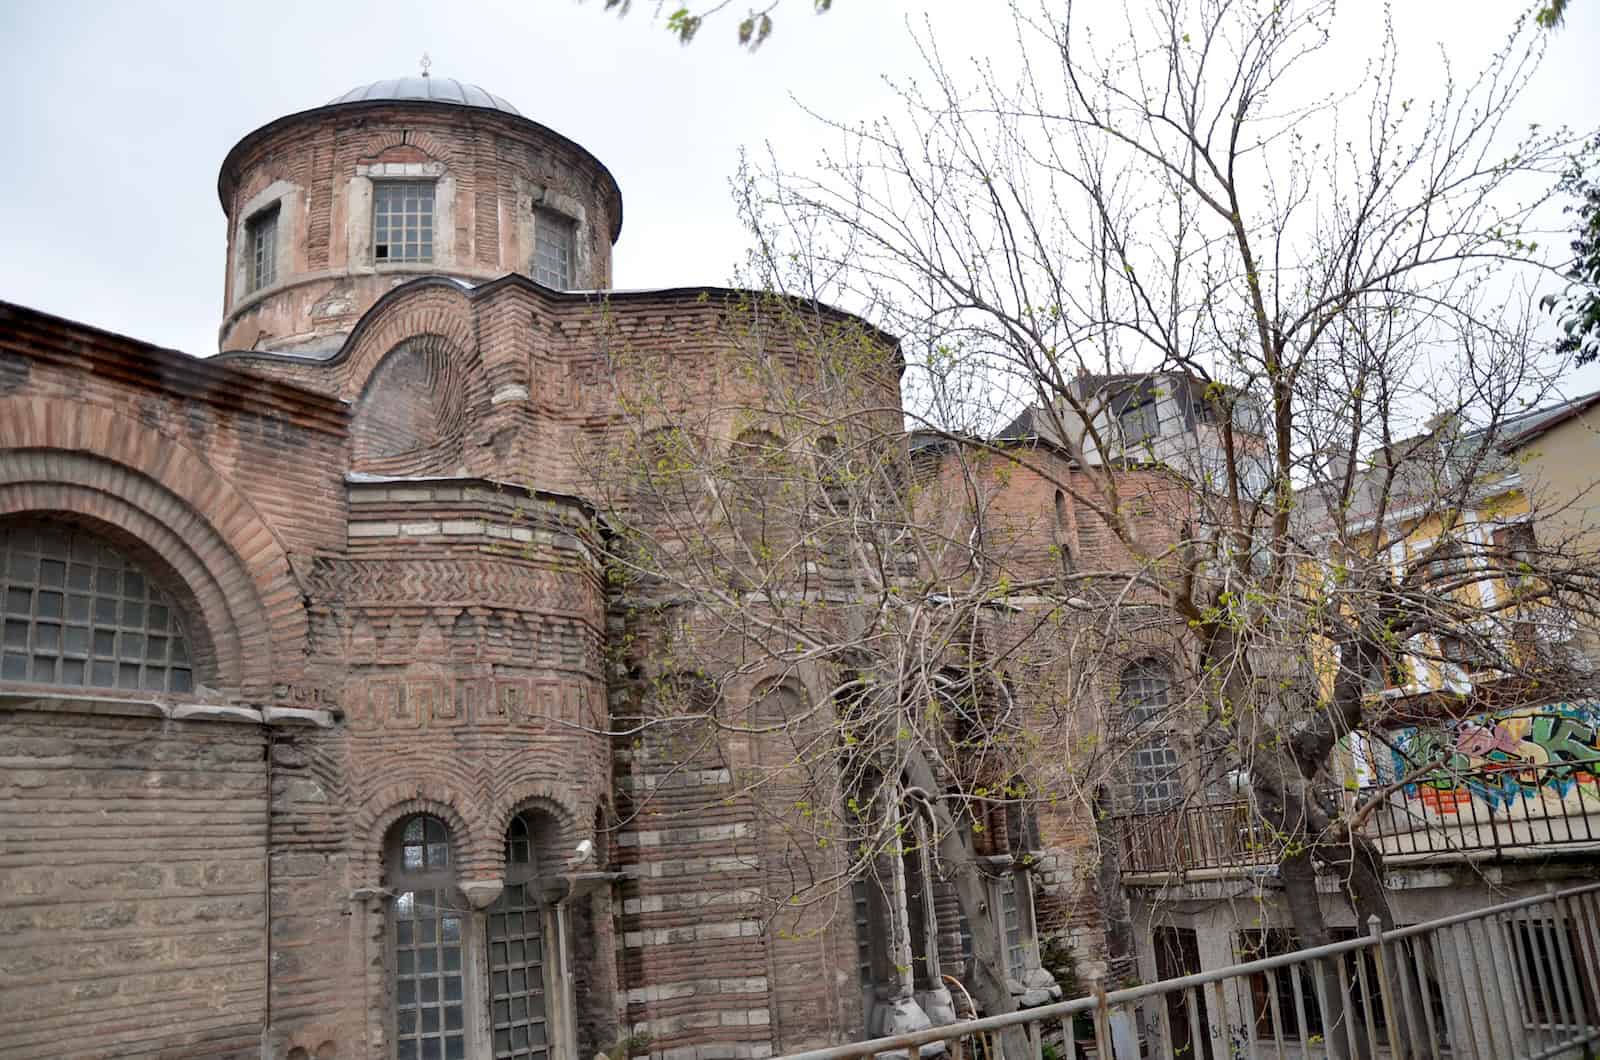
(304, 691)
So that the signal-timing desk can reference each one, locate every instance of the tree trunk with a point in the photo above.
(1121, 959)
(956, 852)
(1313, 835)
(1312, 832)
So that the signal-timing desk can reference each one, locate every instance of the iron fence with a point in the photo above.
(1516, 981)
(1516, 807)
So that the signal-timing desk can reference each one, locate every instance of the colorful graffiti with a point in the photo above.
(1550, 750)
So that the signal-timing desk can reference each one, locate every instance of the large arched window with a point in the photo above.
(1144, 696)
(426, 929)
(78, 612)
(517, 993)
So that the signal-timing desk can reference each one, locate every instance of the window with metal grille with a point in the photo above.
(261, 240)
(517, 1010)
(80, 613)
(1144, 691)
(1554, 988)
(402, 221)
(1013, 926)
(1156, 784)
(554, 243)
(425, 939)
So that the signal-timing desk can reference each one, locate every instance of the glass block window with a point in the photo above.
(554, 243)
(517, 1010)
(402, 221)
(77, 612)
(1144, 693)
(425, 938)
(1156, 784)
(261, 242)
(1144, 696)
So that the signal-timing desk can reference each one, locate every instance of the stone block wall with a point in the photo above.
(133, 876)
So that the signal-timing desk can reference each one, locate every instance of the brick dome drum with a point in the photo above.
(331, 208)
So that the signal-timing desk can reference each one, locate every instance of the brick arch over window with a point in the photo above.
(554, 834)
(474, 846)
(411, 418)
(68, 459)
(542, 799)
(431, 306)
(384, 140)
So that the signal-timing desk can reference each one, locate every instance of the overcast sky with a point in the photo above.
(116, 116)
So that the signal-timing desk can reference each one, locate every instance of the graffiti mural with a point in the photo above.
(1551, 751)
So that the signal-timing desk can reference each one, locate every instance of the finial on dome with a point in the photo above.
(426, 62)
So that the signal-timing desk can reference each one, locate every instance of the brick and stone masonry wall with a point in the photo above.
(132, 886)
(692, 955)
(455, 625)
(1036, 531)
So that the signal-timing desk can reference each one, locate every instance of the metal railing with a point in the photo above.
(1502, 809)
(1516, 981)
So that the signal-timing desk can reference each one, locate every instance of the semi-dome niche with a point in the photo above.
(411, 418)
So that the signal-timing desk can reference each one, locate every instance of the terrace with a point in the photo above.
(1502, 811)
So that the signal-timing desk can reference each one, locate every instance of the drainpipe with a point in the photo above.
(266, 904)
(578, 885)
(569, 1008)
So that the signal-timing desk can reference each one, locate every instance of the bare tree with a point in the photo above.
(860, 624)
(1342, 278)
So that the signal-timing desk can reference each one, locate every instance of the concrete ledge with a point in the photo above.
(322, 719)
(113, 706)
(210, 712)
(83, 704)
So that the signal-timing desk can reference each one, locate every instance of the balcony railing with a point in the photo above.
(1508, 811)
(1516, 981)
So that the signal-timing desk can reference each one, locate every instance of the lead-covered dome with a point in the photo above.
(428, 89)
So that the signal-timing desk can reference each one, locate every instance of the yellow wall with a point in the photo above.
(1561, 469)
